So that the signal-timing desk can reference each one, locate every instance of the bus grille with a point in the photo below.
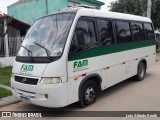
(24, 80)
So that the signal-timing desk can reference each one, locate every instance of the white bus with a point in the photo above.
(70, 56)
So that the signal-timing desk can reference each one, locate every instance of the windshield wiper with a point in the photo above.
(29, 52)
(47, 51)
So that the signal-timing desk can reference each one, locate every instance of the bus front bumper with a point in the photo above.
(46, 95)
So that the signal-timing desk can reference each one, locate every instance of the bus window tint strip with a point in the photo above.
(123, 32)
(105, 32)
(84, 37)
(149, 31)
(137, 31)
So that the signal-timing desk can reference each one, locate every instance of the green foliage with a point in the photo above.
(138, 7)
(5, 75)
(4, 93)
(156, 13)
(128, 6)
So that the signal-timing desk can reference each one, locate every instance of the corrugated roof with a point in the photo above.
(1, 16)
(16, 23)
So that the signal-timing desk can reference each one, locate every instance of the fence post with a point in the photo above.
(6, 46)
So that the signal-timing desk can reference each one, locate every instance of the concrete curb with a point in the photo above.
(7, 100)
(5, 87)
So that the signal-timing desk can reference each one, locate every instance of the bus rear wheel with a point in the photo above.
(88, 94)
(141, 71)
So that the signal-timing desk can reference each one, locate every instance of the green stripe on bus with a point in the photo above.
(111, 49)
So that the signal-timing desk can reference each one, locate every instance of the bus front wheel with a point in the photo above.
(88, 94)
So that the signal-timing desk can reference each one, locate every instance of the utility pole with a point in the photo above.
(149, 8)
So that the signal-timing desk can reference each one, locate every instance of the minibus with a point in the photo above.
(71, 55)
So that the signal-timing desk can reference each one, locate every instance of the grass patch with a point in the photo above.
(5, 75)
(4, 93)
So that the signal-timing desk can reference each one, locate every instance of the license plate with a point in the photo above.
(25, 99)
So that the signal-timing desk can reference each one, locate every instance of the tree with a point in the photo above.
(155, 16)
(138, 7)
(127, 6)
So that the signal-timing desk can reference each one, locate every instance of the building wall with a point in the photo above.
(56, 5)
(31, 10)
(6, 61)
(88, 2)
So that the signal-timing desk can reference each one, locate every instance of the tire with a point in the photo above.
(141, 72)
(88, 94)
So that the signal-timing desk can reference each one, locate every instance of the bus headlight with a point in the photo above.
(50, 80)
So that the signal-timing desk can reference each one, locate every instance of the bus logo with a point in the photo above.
(24, 80)
(80, 65)
(27, 68)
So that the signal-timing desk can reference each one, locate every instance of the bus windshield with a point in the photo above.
(47, 36)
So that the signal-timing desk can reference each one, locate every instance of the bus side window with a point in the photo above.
(138, 31)
(123, 32)
(84, 37)
(149, 31)
(105, 32)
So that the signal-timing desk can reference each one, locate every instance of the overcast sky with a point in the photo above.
(5, 3)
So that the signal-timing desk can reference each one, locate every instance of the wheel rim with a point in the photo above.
(141, 70)
(89, 95)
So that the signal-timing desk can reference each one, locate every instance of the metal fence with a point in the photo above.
(14, 44)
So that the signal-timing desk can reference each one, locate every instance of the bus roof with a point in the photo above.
(102, 14)
(113, 15)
